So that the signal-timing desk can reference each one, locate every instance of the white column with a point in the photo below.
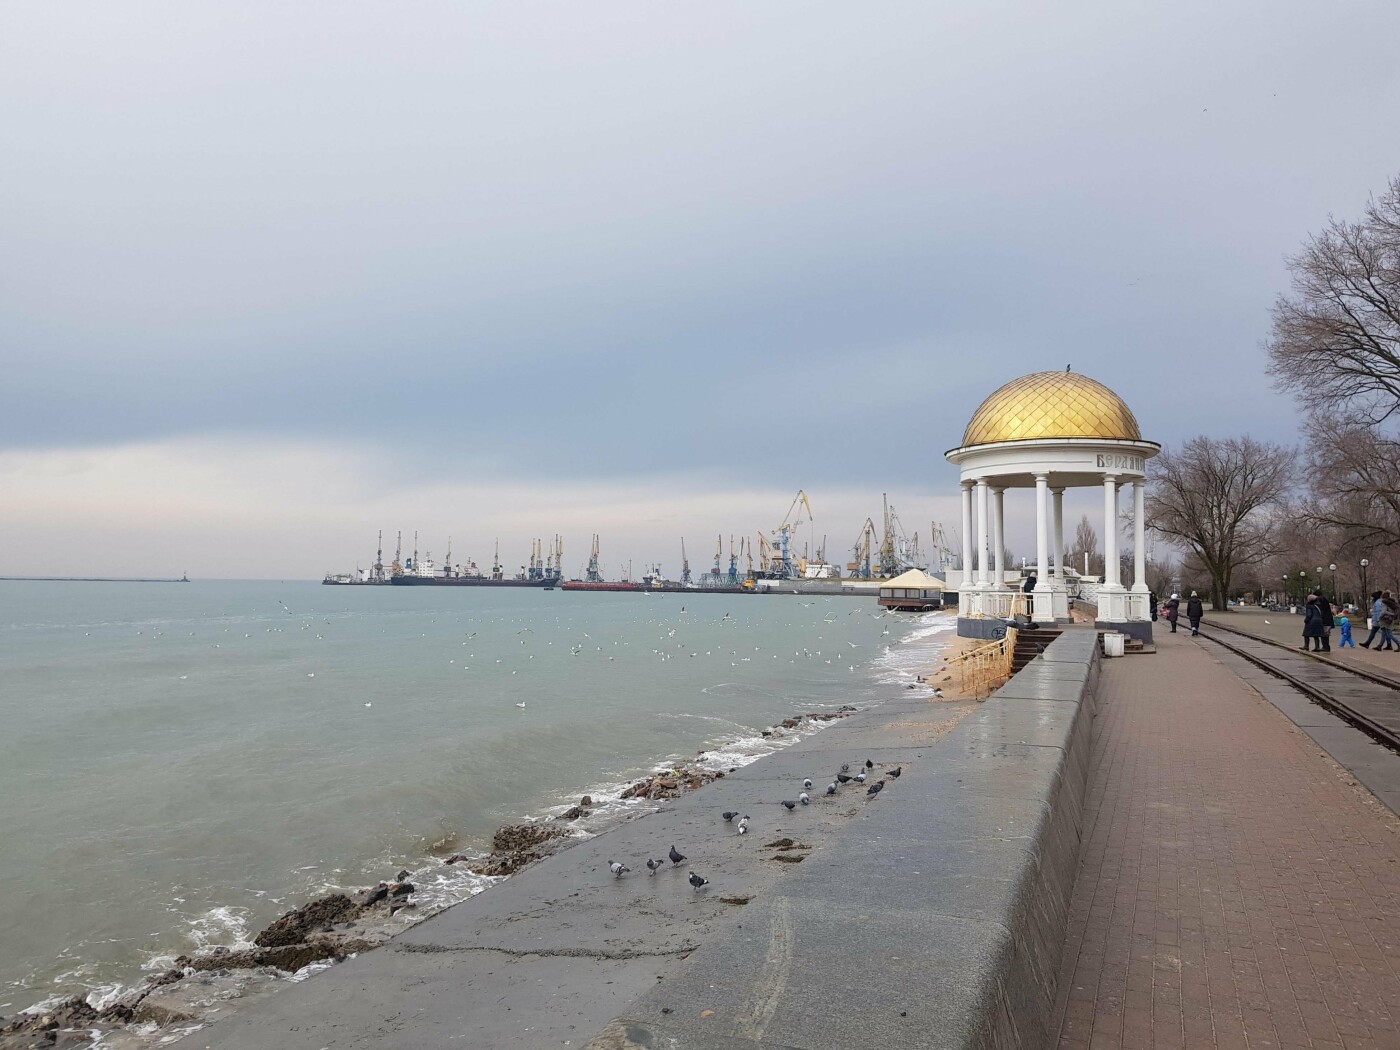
(1059, 498)
(1139, 539)
(999, 537)
(1042, 533)
(966, 535)
(1110, 531)
(982, 567)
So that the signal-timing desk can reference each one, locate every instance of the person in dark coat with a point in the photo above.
(1194, 611)
(1312, 624)
(1328, 619)
(1154, 603)
(1172, 606)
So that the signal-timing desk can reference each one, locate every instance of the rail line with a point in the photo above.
(1371, 702)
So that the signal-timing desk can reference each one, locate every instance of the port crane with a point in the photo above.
(685, 566)
(860, 552)
(378, 576)
(592, 574)
(719, 553)
(786, 568)
(734, 564)
(397, 566)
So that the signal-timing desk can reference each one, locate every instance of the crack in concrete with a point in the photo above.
(618, 955)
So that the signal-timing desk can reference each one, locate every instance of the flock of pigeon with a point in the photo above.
(843, 777)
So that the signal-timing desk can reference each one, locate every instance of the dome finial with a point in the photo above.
(1066, 368)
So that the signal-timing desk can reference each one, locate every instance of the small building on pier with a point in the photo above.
(912, 591)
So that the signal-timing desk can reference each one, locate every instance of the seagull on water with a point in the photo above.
(521, 704)
(618, 869)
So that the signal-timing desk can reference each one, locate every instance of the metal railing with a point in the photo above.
(983, 669)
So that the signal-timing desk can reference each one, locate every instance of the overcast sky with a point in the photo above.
(273, 276)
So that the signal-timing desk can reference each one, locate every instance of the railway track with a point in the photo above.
(1367, 700)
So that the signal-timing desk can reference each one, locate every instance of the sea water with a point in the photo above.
(181, 763)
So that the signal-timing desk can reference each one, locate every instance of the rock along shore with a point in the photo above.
(332, 928)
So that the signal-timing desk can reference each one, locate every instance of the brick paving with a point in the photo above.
(1236, 889)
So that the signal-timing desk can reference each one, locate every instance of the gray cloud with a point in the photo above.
(621, 240)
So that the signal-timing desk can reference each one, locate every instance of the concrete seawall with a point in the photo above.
(931, 916)
(937, 921)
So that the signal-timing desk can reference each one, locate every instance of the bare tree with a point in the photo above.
(1086, 541)
(1336, 347)
(1222, 501)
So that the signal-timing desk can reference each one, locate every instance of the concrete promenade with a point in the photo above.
(1236, 888)
(1288, 629)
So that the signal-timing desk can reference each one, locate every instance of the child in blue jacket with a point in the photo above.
(1343, 623)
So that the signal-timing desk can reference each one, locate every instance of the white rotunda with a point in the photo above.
(1048, 432)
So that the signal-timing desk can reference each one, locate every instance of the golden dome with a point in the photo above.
(1047, 405)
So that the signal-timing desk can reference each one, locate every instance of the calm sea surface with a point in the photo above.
(180, 763)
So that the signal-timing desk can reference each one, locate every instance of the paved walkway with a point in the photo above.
(1286, 628)
(1236, 888)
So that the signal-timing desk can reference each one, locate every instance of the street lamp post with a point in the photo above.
(1302, 586)
(1335, 596)
(1285, 589)
(1365, 594)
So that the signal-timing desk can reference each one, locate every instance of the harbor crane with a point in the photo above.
(397, 566)
(592, 574)
(378, 576)
(685, 566)
(497, 573)
(786, 568)
(734, 563)
(860, 552)
(719, 553)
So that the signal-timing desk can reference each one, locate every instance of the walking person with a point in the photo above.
(1343, 622)
(1377, 607)
(1173, 604)
(1327, 617)
(1312, 624)
(1389, 609)
(1194, 612)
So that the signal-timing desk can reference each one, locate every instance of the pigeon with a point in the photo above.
(807, 783)
(805, 799)
(875, 788)
(860, 778)
(831, 788)
(845, 767)
(843, 778)
(869, 764)
(402, 876)
(654, 864)
(676, 857)
(729, 816)
(618, 868)
(893, 774)
(743, 825)
(697, 881)
(789, 805)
